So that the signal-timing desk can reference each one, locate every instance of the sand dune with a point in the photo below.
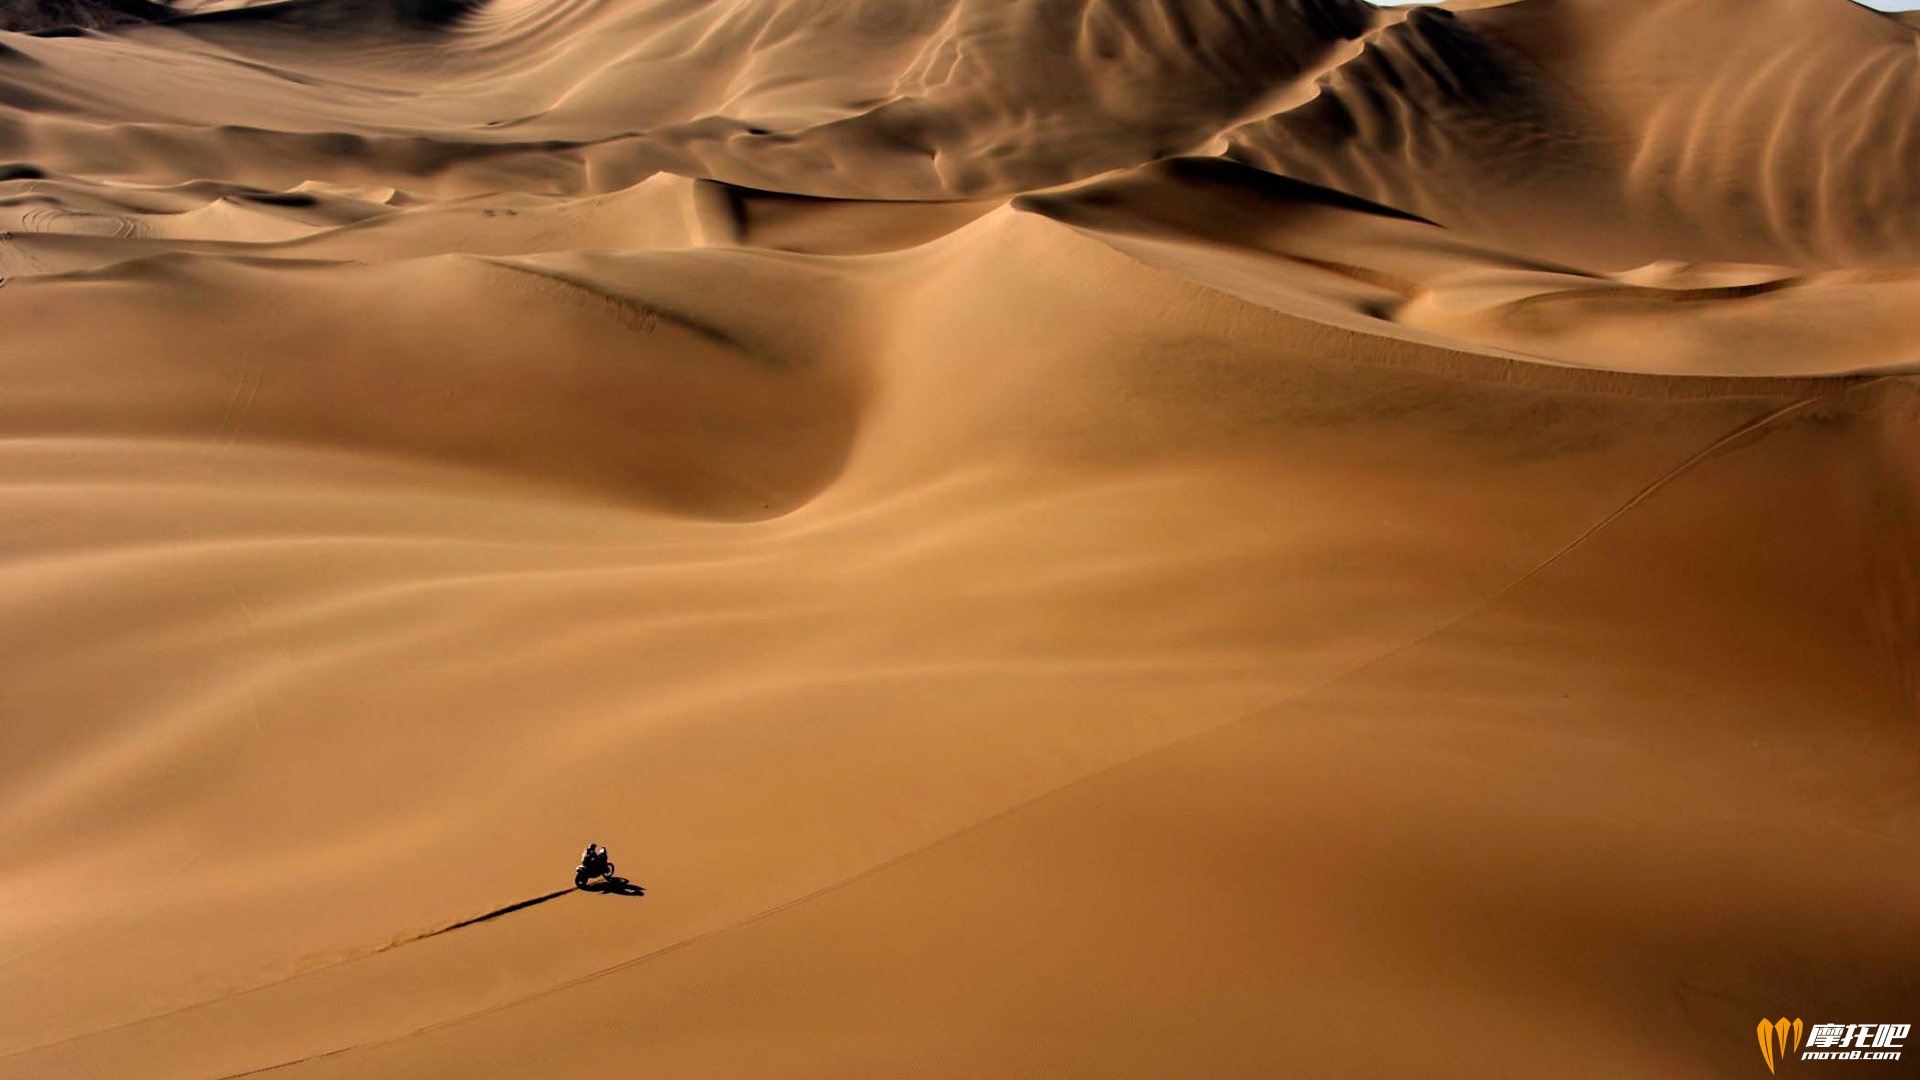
(1598, 130)
(1054, 537)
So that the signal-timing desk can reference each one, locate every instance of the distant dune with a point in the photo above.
(1056, 538)
(34, 15)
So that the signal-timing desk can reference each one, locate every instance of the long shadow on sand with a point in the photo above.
(614, 886)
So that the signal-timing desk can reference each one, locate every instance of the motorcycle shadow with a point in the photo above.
(614, 886)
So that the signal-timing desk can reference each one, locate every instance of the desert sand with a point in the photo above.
(1056, 538)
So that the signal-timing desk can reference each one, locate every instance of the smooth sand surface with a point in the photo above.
(1056, 538)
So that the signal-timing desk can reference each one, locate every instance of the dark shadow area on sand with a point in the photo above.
(614, 886)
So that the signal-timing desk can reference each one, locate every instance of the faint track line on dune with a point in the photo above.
(1750, 429)
(360, 954)
(631, 312)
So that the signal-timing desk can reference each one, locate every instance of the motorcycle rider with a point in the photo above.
(593, 864)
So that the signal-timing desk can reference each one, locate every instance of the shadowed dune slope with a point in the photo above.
(1775, 130)
(72, 15)
(1071, 538)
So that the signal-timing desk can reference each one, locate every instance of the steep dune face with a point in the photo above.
(1054, 537)
(1619, 133)
(62, 15)
(866, 99)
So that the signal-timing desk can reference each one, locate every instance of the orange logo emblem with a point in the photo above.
(1773, 1039)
